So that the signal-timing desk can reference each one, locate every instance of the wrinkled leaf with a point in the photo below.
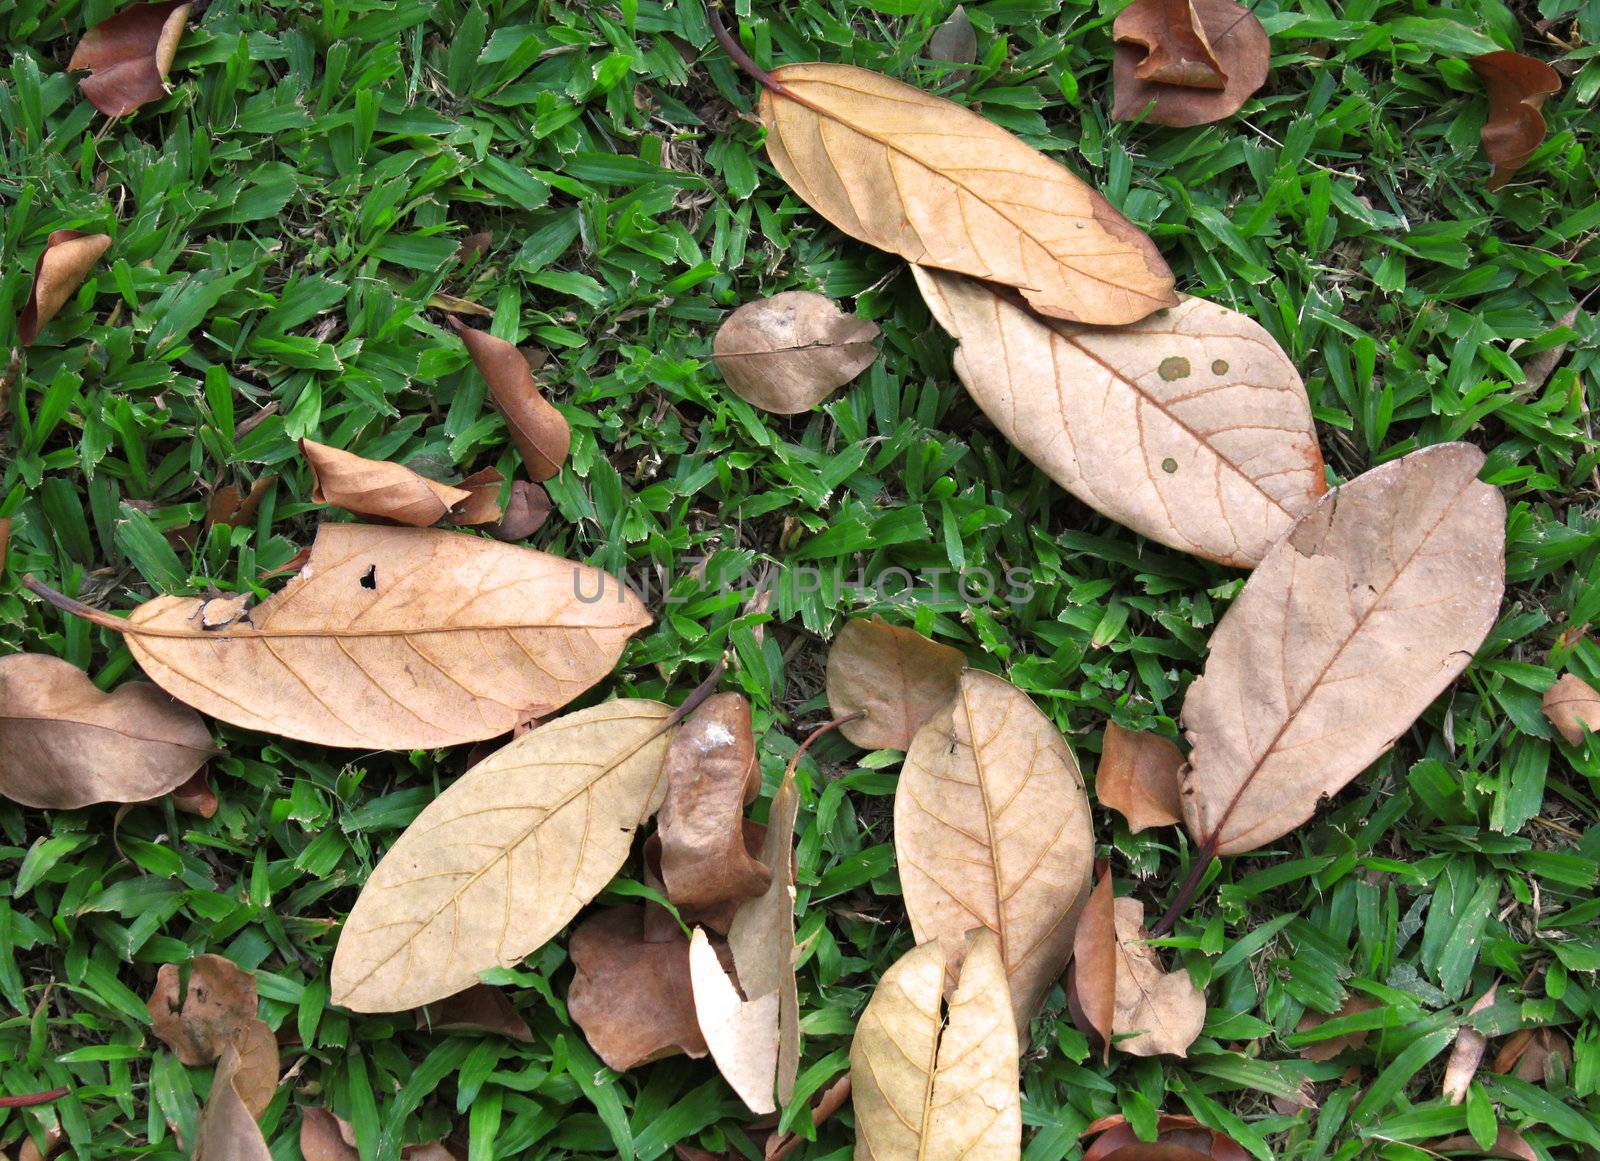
(129, 55)
(894, 677)
(393, 638)
(228, 1129)
(939, 185)
(504, 858)
(955, 40)
(526, 511)
(991, 828)
(1192, 428)
(480, 1008)
(67, 259)
(711, 775)
(632, 997)
(1573, 707)
(1517, 86)
(1138, 778)
(199, 1023)
(539, 431)
(935, 1086)
(1162, 72)
(376, 488)
(659, 923)
(1178, 1138)
(65, 744)
(787, 353)
(1350, 627)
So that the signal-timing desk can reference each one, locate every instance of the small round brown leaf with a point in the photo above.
(787, 353)
(1573, 707)
(894, 677)
(1147, 30)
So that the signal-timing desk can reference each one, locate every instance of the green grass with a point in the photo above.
(282, 218)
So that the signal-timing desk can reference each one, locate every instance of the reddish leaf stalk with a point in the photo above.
(1197, 871)
(29, 1100)
(736, 53)
(696, 695)
(77, 608)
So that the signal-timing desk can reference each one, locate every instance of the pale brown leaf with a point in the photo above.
(228, 1129)
(741, 1034)
(65, 744)
(711, 774)
(325, 1137)
(1164, 1008)
(195, 796)
(256, 1080)
(1509, 1145)
(991, 829)
(1466, 1054)
(1517, 86)
(480, 1008)
(1178, 1138)
(1321, 1050)
(1192, 428)
(894, 677)
(199, 1023)
(377, 488)
(1573, 707)
(67, 259)
(129, 55)
(1184, 64)
(1138, 778)
(787, 353)
(539, 431)
(939, 185)
(935, 1086)
(394, 639)
(504, 858)
(482, 505)
(631, 996)
(955, 40)
(526, 511)
(1350, 627)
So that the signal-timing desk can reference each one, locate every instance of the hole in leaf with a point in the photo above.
(370, 581)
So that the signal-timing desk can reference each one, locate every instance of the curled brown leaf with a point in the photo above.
(1573, 707)
(659, 923)
(1138, 778)
(67, 259)
(196, 796)
(1178, 1138)
(894, 677)
(64, 744)
(480, 1008)
(228, 1129)
(482, 505)
(539, 431)
(377, 488)
(787, 353)
(1517, 86)
(129, 55)
(1171, 54)
(198, 1023)
(526, 511)
(632, 998)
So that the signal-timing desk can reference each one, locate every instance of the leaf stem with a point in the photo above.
(77, 608)
(736, 53)
(1197, 871)
(814, 735)
(29, 1100)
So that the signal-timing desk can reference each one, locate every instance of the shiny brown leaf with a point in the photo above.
(1517, 87)
(1573, 707)
(939, 185)
(65, 744)
(67, 259)
(1340, 639)
(1170, 55)
(526, 511)
(787, 353)
(1138, 778)
(893, 676)
(539, 431)
(129, 55)
(480, 1008)
(632, 998)
(377, 488)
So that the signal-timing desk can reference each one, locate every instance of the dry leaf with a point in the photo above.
(1573, 707)
(228, 1129)
(480, 1008)
(67, 259)
(1120, 985)
(1466, 1054)
(392, 639)
(755, 1038)
(711, 774)
(378, 489)
(504, 858)
(659, 923)
(1349, 628)
(537, 428)
(1517, 86)
(955, 40)
(991, 828)
(220, 1003)
(1509, 1145)
(449, 302)
(1138, 778)
(1178, 1138)
(894, 677)
(939, 185)
(256, 1079)
(787, 353)
(1537, 370)
(1321, 1050)
(827, 1102)
(129, 55)
(5, 541)
(195, 796)
(937, 1086)
(64, 744)
(1192, 428)
(1183, 64)
(482, 505)
(631, 997)
(526, 511)
(325, 1137)
(228, 506)
(1530, 1052)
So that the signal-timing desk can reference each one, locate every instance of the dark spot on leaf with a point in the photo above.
(1169, 465)
(370, 581)
(1220, 367)
(1173, 367)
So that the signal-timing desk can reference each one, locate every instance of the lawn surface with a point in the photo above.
(280, 222)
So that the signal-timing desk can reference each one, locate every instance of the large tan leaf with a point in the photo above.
(894, 677)
(498, 863)
(991, 829)
(1573, 707)
(1191, 427)
(939, 185)
(65, 744)
(1349, 628)
(379, 489)
(935, 1086)
(394, 638)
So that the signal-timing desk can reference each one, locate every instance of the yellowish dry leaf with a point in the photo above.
(894, 677)
(1344, 634)
(1573, 707)
(935, 1086)
(393, 639)
(1138, 778)
(504, 858)
(377, 488)
(937, 184)
(741, 1034)
(991, 829)
(1192, 427)
(1165, 1008)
